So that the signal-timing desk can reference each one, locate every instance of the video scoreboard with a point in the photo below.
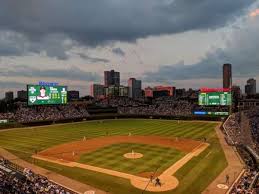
(216, 97)
(46, 94)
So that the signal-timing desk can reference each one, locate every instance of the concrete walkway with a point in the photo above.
(59, 179)
(233, 169)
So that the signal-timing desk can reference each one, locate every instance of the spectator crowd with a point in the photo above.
(163, 106)
(242, 130)
(253, 115)
(121, 101)
(167, 106)
(25, 114)
(245, 184)
(173, 108)
(8, 116)
(233, 129)
(13, 181)
(240, 133)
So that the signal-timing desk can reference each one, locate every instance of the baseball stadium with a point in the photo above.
(117, 145)
(94, 153)
(129, 97)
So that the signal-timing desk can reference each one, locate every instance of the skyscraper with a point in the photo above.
(134, 88)
(22, 95)
(236, 92)
(73, 95)
(250, 87)
(111, 78)
(236, 96)
(97, 90)
(9, 96)
(159, 91)
(227, 76)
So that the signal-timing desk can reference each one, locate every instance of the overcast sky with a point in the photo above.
(179, 42)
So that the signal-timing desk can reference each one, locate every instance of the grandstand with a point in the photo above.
(15, 179)
(119, 106)
(241, 131)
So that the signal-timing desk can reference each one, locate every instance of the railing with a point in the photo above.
(226, 132)
(17, 168)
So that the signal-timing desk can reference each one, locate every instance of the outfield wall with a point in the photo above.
(10, 125)
(110, 116)
(123, 116)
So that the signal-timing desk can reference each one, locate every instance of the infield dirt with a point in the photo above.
(168, 181)
(73, 150)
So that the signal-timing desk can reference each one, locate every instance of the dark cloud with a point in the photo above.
(118, 51)
(6, 85)
(9, 42)
(16, 44)
(16, 86)
(209, 67)
(92, 23)
(72, 73)
(241, 51)
(93, 59)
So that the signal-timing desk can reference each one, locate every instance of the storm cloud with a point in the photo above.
(118, 51)
(45, 25)
(241, 51)
(72, 73)
(93, 59)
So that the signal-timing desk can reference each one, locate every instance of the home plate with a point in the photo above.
(222, 186)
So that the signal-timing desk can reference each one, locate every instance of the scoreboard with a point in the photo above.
(46, 95)
(215, 98)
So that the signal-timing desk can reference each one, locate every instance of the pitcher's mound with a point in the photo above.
(133, 155)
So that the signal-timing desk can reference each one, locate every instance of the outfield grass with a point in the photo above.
(193, 177)
(155, 158)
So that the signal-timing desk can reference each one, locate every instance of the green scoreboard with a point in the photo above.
(46, 95)
(215, 99)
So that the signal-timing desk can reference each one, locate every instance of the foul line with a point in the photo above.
(133, 178)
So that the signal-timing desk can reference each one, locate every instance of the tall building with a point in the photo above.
(9, 96)
(111, 78)
(22, 95)
(227, 76)
(236, 92)
(134, 88)
(236, 97)
(148, 92)
(97, 90)
(250, 87)
(169, 89)
(73, 95)
(159, 91)
(180, 92)
(123, 91)
(117, 91)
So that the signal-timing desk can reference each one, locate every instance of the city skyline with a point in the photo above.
(111, 79)
(182, 50)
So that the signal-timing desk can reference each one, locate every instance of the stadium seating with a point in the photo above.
(14, 181)
(248, 183)
(25, 114)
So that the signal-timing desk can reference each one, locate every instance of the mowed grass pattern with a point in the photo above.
(155, 158)
(193, 177)
(27, 140)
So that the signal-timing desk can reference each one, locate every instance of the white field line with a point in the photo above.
(168, 172)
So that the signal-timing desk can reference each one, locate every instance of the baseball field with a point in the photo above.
(119, 156)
